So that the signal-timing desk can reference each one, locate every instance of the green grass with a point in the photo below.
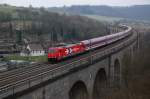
(27, 58)
(104, 18)
(7, 9)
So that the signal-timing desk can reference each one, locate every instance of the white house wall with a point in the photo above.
(37, 53)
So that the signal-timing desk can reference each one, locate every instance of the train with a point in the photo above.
(63, 51)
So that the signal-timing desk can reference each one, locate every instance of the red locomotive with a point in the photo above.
(62, 51)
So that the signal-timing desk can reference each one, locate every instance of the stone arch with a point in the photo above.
(100, 84)
(78, 91)
(117, 73)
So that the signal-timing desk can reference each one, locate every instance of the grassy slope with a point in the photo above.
(9, 9)
(113, 19)
(104, 18)
(27, 58)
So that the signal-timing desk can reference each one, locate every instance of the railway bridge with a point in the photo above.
(87, 76)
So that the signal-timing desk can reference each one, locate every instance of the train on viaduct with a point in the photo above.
(87, 76)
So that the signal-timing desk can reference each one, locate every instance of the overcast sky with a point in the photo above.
(52, 3)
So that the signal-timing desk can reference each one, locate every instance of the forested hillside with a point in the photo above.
(38, 24)
(139, 12)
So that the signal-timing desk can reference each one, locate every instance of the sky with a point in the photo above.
(58, 3)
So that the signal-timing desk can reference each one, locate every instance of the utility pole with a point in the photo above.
(52, 38)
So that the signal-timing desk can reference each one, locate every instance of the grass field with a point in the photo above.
(104, 18)
(114, 19)
(7, 8)
(27, 58)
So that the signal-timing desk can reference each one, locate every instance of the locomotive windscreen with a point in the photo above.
(51, 50)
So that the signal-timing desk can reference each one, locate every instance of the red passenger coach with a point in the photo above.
(62, 51)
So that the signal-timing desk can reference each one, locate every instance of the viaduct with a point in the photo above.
(89, 76)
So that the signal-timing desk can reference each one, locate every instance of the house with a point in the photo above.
(33, 49)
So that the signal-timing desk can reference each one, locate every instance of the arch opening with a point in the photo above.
(117, 74)
(78, 91)
(100, 84)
